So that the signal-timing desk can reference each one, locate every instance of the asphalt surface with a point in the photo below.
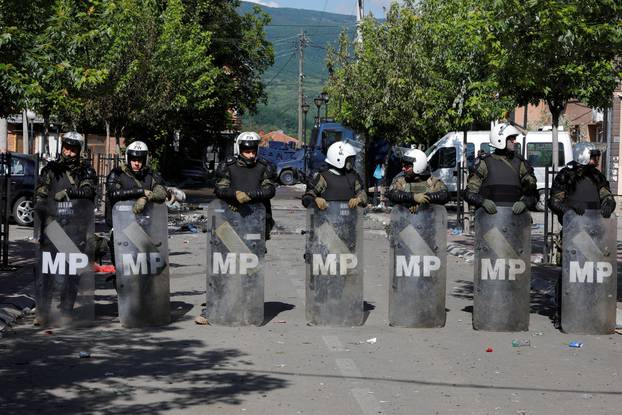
(288, 367)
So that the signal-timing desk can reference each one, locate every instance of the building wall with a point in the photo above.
(615, 176)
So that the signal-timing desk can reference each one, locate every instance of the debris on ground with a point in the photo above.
(489, 350)
(371, 341)
(202, 321)
(84, 355)
(521, 343)
(575, 344)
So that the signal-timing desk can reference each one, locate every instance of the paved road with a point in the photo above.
(288, 367)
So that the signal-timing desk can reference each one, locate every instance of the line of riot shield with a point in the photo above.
(64, 278)
(589, 273)
(235, 255)
(418, 267)
(141, 262)
(501, 294)
(334, 277)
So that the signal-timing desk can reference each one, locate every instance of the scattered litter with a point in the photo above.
(280, 342)
(48, 332)
(202, 321)
(521, 343)
(575, 344)
(538, 333)
(280, 321)
(186, 241)
(371, 341)
(456, 231)
(280, 365)
(587, 396)
(459, 320)
(104, 269)
(84, 355)
(489, 350)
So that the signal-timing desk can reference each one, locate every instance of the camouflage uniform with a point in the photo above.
(75, 176)
(513, 181)
(402, 190)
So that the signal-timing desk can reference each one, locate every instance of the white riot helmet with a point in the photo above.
(338, 153)
(73, 139)
(499, 134)
(583, 151)
(418, 160)
(248, 140)
(137, 150)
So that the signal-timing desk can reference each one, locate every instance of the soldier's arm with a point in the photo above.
(439, 194)
(43, 186)
(267, 188)
(529, 185)
(397, 193)
(223, 185)
(315, 188)
(360, 192)
(159, 192)
(115, 191)
(607, 200)
(558, 193)
(474, 183)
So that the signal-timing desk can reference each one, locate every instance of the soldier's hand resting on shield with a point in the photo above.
(413, 208)
(139, 205)
(321, 203)
(519, 207)
(353, 203)
(421, 198)
(242, 197)
(607, 207)
(148, 194)
(489, 206)
(61, 196)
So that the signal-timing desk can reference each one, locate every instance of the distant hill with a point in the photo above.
(322, 28)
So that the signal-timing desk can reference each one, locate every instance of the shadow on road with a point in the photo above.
(44, 374)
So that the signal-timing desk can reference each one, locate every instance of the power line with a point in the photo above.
(280, 70)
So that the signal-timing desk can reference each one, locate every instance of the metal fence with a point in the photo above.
(5, 207)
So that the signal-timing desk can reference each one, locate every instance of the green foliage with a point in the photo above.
(419, 74)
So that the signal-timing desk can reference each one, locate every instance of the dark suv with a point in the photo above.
(22, 186)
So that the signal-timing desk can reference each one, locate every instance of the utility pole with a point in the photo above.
(359, 18)
(303, 42)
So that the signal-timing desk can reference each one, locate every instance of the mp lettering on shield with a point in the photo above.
(240, 260)
(143, 263)
(415, 265)
(339, 261)
(506, 266)
(588, 271)
(57, 263)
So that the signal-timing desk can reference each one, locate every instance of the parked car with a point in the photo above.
(22, 187)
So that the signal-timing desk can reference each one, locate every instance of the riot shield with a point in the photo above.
(501, 294)
(589, 273)
(418, 267)
(141, 262)
(64, 277)
(334, 277)
(235, 255)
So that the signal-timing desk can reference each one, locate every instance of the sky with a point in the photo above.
(333, 6)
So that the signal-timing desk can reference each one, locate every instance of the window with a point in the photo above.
(541, 154)
(18, 167)
(444, 158)
(329, 137)
(470, 155)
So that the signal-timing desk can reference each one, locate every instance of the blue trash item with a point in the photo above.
(379, 172)
(575, 344)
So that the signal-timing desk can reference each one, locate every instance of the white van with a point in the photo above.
(536, 147)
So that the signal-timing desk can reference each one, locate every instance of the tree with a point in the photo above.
(417, 75)
(553, 51)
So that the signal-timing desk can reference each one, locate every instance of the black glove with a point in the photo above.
(607, 207)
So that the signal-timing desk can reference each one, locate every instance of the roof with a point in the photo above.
(278, 135)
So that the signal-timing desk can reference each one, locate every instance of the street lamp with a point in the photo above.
(305, 109)
(324, 96)
(318, 101)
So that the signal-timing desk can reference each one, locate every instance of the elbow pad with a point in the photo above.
(474, 199)
(82, 193)
(439, 198)
(398, 196)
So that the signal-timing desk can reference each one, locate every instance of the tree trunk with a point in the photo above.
(555, 121)
(46, 134)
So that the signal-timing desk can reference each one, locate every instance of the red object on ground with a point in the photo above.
(489, 350)
(106, 269)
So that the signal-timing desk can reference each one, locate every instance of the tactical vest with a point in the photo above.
(421, 186)
(132, 182)
(246, 179)
(60, 179)
(585, 194)
(502, 185)
(339, 187)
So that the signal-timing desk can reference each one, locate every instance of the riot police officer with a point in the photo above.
(580, 185)
(134, 180)
(245, 178)
(69, 177)
(337, 182)
(66, 180)
(503, 177)
(415, 186)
